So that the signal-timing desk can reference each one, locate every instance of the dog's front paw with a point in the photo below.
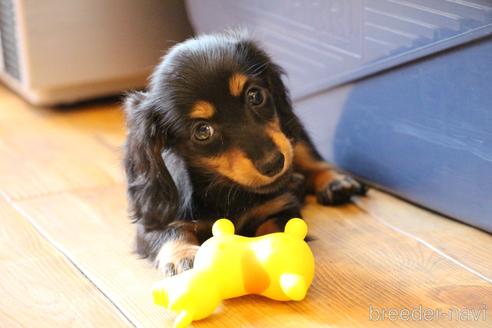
(175, 257)
(339, 190)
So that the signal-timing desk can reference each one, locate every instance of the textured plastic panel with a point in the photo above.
(422, 131)
(324, 43)
(8, 39)
(96, 41)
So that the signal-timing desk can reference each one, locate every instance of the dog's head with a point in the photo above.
(216, 105)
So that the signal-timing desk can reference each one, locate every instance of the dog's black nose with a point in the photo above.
(271, 165)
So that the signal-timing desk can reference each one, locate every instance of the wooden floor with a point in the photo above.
(65, 243)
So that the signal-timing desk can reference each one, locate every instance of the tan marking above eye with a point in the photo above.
(202, 109)
(236, 84)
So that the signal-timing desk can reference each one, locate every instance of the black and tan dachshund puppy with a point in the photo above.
(214, 136)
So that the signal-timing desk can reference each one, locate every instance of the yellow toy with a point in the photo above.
(278, 265)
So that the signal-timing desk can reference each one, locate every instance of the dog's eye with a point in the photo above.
(255, 97)
(203, 131)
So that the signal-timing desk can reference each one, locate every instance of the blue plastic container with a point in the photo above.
(398, 92)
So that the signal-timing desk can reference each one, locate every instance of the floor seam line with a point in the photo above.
(59, 192)
(426, 244)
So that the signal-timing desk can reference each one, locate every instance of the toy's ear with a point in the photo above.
(296, 227)
(223, 227)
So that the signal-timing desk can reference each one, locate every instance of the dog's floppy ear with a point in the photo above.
(155, 198)
(288, 120)
(280, 93)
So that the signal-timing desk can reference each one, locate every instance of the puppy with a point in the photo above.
(213, 136)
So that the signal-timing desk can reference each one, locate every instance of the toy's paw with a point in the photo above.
(339, 190)
(175, 257)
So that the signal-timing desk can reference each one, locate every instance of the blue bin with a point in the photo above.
(398, 92)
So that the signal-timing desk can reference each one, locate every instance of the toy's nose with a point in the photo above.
(294, 286)
(271, 165)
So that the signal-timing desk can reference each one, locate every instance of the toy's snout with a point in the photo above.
(294, 286)
(192, 294)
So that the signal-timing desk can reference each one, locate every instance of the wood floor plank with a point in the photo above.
(40, 288)
(50, 150)
(93, 229)
(469, 245)
(360, 263)
(365, 264)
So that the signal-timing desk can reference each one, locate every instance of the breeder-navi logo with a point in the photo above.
(422, 313)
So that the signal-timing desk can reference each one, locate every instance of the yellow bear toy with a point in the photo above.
(278, 265)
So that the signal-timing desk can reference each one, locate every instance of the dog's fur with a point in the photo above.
(254, 169)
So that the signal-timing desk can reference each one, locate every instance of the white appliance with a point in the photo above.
(63, 51)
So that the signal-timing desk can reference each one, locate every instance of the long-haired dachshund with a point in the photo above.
(213, 136)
